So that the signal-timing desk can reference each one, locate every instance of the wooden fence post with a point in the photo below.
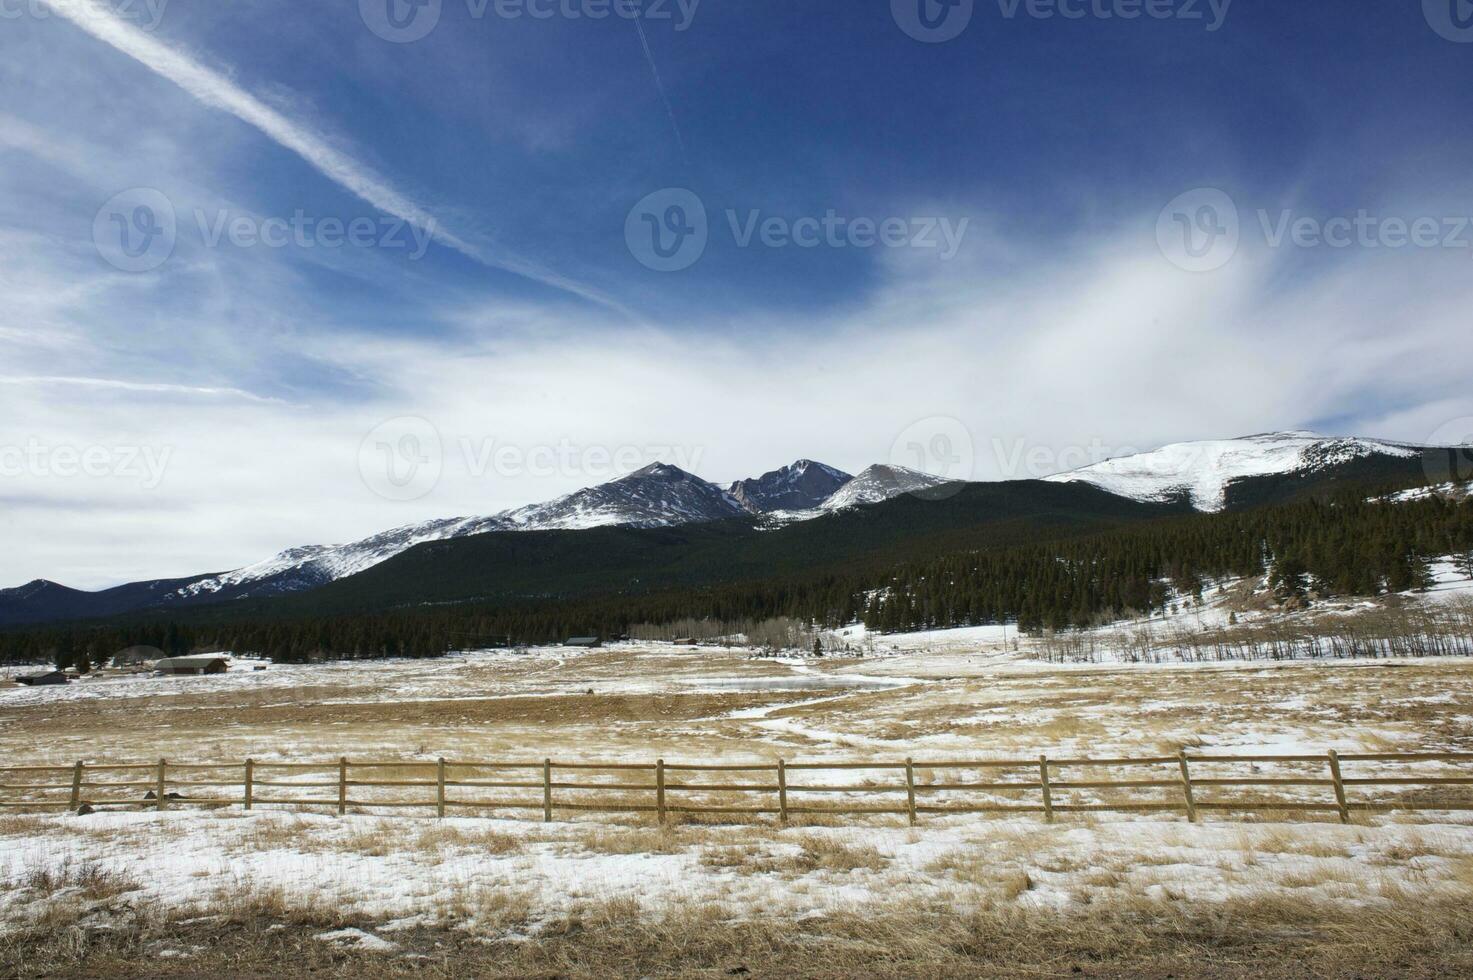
(1339, 786)
(660, 789)
(250, 782)
(159, 790)
(1048, 795)
(910, 791)
(77, 785)
(440, 792)
(782, 791)
(1186, 786)
(547, 791)
(342, 786)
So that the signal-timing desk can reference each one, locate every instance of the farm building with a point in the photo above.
(583, 641)
(198, 663)
(133, 656)
(44, 679)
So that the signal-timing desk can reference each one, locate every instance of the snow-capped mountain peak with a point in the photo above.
(659, 495)
(1203, 471)
(882, 482)
(800, 486)
(31, 588)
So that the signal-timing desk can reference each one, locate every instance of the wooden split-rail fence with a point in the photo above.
(1340, 784)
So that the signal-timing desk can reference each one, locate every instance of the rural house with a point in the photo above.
(42, 680)
(198, 663)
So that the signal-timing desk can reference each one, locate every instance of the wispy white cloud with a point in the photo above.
(1105, 346)
(137, 386)
(215, 90)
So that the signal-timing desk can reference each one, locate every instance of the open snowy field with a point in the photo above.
(641, 702)
(204, 892)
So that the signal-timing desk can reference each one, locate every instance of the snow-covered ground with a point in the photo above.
(1203, 471)
(944, 695)
(398, 874)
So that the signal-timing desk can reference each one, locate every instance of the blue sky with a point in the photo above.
(513, 308)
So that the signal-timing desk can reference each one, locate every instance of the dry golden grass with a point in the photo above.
(631, 840)
(488, 908)
(978, 869)
(1268, 938)
(491, 928)
(814, 853)
(89, 881)
(1281, 841)
(825, 853)
(443, 840)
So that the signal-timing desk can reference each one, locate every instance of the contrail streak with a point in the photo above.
(218, 92)
(669, 109)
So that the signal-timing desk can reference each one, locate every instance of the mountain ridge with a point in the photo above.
(1205, 471)
(1209, 474)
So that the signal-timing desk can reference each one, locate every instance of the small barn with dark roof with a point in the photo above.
(198, 663)
(43, 679)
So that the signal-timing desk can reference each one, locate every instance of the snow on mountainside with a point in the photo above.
(665, 496)
(879, 483)
(297, 569)
(802, 486)
(30, 590)
(1203, 471)
(656, 496)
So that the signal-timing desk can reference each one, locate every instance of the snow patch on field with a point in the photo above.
(190, 862)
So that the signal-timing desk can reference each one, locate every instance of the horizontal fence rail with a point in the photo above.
(1329, 783)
